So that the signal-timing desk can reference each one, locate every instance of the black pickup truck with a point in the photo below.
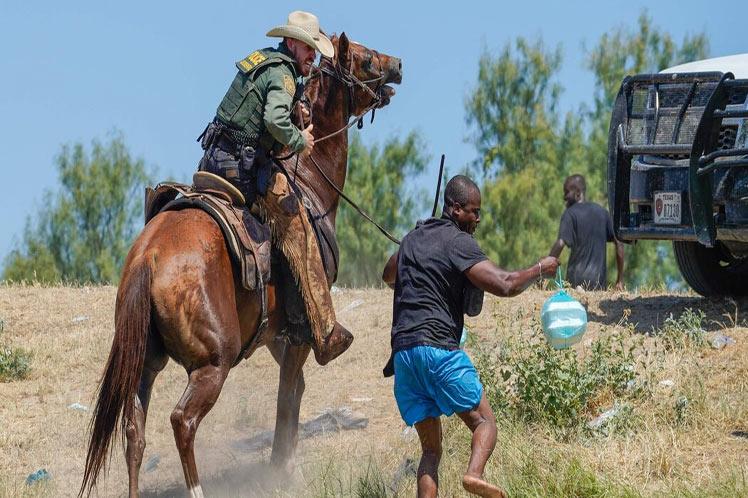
(678, 168)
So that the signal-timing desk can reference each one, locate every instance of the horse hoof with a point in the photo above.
(284, 469)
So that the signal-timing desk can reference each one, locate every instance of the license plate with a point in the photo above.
(667, 208)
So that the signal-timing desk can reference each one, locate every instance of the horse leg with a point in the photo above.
(155, 361)
(202, 391)
(291, 360)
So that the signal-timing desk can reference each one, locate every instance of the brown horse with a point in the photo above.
(179, 296)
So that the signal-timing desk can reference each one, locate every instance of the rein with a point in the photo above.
(354, 205)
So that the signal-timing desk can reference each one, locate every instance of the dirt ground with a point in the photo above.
(69, 332)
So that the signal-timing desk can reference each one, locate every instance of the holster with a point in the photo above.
(472, 299)
(247, 166)
(208, 136)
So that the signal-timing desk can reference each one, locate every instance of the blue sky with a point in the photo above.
(72, 71)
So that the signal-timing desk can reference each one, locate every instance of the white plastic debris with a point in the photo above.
(361, 400)
(352, 305)
(720, 341)
(79, 319)
(152, 463)
(79, 407)
(409, 433)
(604, 417)
(667, 383)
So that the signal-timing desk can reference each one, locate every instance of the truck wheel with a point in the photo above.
(711, 271)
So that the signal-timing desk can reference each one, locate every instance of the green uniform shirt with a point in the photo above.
(261, 97)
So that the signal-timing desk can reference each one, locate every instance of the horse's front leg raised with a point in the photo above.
(291, 360)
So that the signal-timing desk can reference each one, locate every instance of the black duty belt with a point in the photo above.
(238, 137)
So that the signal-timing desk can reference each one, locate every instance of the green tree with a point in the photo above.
(513, 109)
(525, 147)
(378, 182)
(83, 231)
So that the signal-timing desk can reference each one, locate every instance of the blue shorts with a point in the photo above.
(430, 382)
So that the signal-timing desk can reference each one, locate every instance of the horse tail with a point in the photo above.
(121, 379)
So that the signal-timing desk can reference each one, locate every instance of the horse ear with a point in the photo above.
(343, 46)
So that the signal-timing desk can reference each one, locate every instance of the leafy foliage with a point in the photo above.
(535, 383)
(377, 180)
(83, 231)
(526, 148)
(514, 106)
(683, 332)
(15, 363)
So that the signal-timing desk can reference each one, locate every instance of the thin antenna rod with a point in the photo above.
(438, 187)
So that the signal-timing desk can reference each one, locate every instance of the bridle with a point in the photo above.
(351, 81)
(346, 77)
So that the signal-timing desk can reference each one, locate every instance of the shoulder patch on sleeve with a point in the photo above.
(251, 61)
(289, 85)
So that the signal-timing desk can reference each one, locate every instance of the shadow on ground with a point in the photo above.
(254, 479)
(649, 312)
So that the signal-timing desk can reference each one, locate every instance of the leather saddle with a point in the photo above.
(247, 238)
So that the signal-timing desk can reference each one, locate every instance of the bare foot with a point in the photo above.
(479, 487)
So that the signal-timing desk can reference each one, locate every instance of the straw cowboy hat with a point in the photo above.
(304, 26)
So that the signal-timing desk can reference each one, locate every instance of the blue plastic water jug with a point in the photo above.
(463, 337)
(564, 319)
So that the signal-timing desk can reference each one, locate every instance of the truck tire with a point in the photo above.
(711, 271)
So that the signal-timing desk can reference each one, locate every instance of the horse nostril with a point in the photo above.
(396, 70)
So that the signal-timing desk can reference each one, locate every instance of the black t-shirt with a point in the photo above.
(430, 282)
(585, 228)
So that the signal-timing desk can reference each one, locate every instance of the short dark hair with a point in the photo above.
(577, 181)
(458, 190)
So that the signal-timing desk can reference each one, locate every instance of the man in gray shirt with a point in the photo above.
(585, 228)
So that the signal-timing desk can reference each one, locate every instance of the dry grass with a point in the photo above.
(69, 331)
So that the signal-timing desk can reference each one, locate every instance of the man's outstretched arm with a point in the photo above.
(558, 246)
(490, 278)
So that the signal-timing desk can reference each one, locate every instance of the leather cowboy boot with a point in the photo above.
(334, 344)
(294, 235)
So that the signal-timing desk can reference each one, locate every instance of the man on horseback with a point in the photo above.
(252, 126)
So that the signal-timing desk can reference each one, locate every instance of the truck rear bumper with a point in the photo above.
(657, 232)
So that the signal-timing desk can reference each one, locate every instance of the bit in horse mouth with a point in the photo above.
(386, 92)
